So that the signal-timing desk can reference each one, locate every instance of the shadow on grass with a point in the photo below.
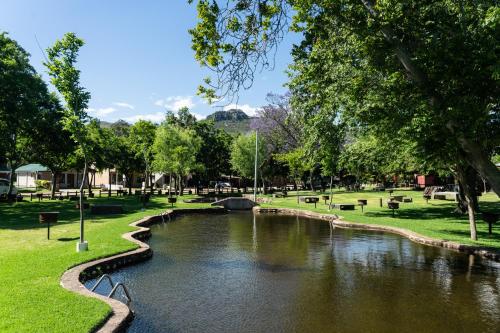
(421, 213)
(481, 235)
(24, 215)
(67, 239)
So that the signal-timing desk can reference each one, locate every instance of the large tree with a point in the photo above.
(175, 149)
(439, 55)
(243, 156)
(62, 57)
(428, 69)
(23, 95)
(142, 136)
(126, 160)
(50, 143)
(214, 153)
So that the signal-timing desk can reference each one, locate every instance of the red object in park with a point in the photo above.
(424, 181)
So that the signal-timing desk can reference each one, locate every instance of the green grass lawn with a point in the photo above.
(31, 299)
(435, 219)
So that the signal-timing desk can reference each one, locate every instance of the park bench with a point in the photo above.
(398, 198)
(311, 200)
(344, 206)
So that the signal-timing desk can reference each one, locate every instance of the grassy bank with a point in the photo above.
(434, 219)
(31, 299)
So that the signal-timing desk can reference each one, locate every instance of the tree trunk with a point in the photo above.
(89, 173)
(311, 180)
(53, 188)
(109, 181)
(129, 183)
(479, 160)
(151, 182)
(263, 184)
(467, 180)
(331, 191)
(181, 189)
(170, 185)
(146, 180)
(11, 178)
(175, 184)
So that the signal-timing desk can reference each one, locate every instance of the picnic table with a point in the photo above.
(344, 206)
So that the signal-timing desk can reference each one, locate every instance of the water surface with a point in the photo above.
(240, 273)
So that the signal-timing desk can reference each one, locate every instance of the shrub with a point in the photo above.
(45, 184)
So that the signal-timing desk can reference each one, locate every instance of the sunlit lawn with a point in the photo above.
(31, 299)
(434, 219)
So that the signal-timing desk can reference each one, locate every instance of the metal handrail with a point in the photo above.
(163, 217)
(114, 287)
(125, 291)
(100, 280)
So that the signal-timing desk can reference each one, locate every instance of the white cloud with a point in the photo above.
(101, 111)
(124, 105)
(154, 117)
(198, 116)
(249, 110)
(174, 103)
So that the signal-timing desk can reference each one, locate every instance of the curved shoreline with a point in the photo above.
(336, 221)
(121, 315)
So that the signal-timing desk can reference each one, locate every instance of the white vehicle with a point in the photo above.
(114, 187)
(221, 184)
(4, 187)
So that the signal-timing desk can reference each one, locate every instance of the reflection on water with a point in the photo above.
(240, 273)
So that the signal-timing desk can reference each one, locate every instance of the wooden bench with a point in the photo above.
(344, 206)
(398, 198)
(106, 209)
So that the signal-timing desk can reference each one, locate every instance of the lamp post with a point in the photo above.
(255, 170)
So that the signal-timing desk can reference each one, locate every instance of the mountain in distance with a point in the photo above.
(234, 121)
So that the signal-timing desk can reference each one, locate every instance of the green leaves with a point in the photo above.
(175, 150)
(243, 154)
(62, 58)
(235, 40)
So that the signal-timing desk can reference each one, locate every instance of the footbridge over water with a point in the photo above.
(235, 203)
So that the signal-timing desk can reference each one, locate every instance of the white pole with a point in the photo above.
(255, 173)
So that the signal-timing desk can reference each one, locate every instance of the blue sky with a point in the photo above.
(137, 61)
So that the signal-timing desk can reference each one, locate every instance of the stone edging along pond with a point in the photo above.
(121, 315)
(335, 220)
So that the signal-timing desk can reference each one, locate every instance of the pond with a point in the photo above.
(267, 273)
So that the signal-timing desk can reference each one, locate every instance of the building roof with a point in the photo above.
(34, 167)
